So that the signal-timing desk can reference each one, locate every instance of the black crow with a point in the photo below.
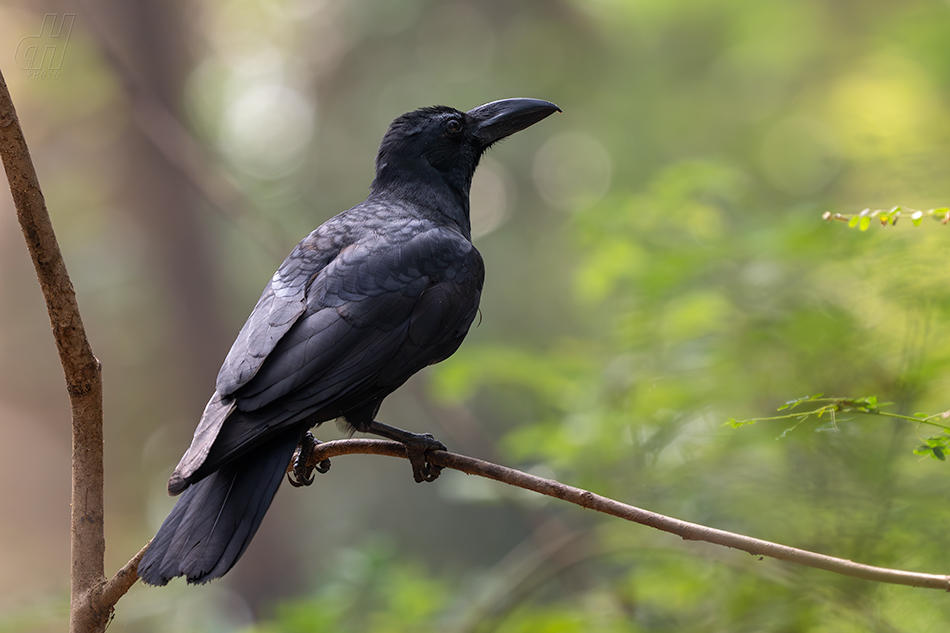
(361, 304)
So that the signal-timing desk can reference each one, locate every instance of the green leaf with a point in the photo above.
(853, 222)
(865, 222)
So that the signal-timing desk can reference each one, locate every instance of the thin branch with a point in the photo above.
(888, 217)
(591, 501)
(98, 604)
(834, 406)
(118, 585)
(80, 367)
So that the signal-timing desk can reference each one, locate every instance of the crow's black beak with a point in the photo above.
(499, 119)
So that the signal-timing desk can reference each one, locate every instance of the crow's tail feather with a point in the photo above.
(215, 519)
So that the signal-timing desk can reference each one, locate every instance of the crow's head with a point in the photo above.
(434, 151)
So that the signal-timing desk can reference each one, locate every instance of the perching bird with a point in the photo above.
(361, 304)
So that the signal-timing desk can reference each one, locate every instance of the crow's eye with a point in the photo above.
(453, 126)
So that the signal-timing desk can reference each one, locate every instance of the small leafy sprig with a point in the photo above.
(937, 446)
(888, 217)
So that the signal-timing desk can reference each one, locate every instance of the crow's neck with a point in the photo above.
(435, 196)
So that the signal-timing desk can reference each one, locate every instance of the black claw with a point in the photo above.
(302, 472)
(300, 482)
(417, 448)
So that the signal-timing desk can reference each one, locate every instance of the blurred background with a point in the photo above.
(657, 264)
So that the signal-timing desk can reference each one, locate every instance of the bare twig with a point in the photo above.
(88, 612)
(587, 499)
(118, 585)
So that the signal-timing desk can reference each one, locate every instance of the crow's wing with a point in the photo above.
(361, 310)
(281, 304)
(279, 307)
(373, 316)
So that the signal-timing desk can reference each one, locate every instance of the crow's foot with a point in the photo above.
(417, 447)
(301, 473)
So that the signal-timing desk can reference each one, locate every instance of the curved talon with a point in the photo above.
(300, 483)
(417, 448)
(302, 473)
(417, 445)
